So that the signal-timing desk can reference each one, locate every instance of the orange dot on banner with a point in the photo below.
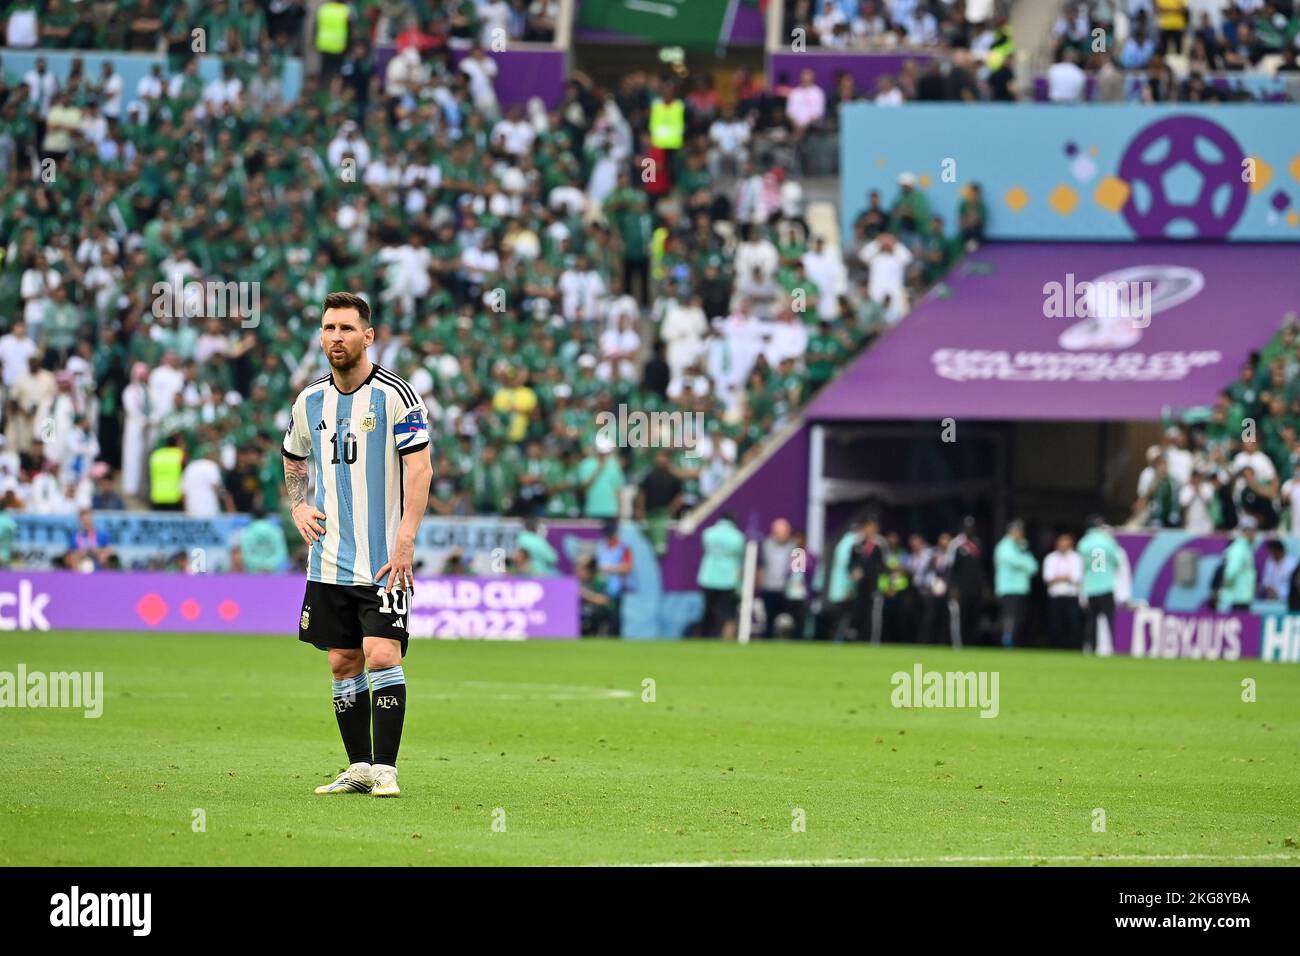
(228, 610)
(924, 180)
(1063, 200)
(1111, 194)
(1293, 219)
(1016, 199)
(1093, 150)
(190, 609)
(880, 163)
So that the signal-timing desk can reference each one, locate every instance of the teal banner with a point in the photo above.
(1070, 173)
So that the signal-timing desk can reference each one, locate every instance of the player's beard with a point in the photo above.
(347, 362)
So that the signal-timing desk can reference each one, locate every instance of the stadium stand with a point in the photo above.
(1235, 459)
(647, 245)
(520, 264)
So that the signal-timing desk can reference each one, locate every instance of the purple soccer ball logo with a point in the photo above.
(1173, 158)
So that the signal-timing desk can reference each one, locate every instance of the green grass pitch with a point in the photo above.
(554, 741)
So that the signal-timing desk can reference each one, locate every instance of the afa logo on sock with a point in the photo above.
(387, 702)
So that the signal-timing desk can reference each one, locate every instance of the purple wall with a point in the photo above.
(866, 68)
(778, 490)
(521, 73)
(748, 29)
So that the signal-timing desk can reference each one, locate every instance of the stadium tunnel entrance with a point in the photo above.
(918, 482)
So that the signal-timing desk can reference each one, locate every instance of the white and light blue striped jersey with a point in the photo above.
(356, 441)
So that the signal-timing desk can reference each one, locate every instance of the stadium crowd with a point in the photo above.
(255, 29)
(1174, 48)
(886, 25)
(1173, 45)
(1237, 460)
(528, 269)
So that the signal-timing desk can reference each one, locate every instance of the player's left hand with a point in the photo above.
(398, 567)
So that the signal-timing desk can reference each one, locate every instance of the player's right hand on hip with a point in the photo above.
(305, 518)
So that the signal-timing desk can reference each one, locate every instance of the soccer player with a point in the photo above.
(366, 433)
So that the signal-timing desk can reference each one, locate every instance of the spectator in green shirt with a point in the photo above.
(600, 479)
(1014, 568)
(1237, 591)
(1102, 559)
(971, 216)
(263, 547)
(824, 355)
(910, 212)
(8, 535)
(719, 576)
(542, 558)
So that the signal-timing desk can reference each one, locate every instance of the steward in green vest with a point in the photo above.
(668, 122)
(1004, 45)
(332, 28)
(165, 467)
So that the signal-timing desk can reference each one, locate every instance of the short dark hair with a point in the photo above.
(347, 300)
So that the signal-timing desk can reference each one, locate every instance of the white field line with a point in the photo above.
(528, 691)
(565, 691)
(903, 860)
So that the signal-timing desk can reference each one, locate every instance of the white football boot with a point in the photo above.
(358, 778)
(385, 781)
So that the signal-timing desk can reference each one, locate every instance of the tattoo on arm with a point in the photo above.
(295, 482)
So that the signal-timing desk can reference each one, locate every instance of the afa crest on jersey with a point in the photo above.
(368, 422)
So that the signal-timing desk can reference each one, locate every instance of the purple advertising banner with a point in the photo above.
(1030, 331)
(525, 73)
(508, 609)
(1195, 635)
(492, 608)
(865, 68)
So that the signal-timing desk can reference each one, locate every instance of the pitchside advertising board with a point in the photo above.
(1205, 635)
(140, 539)
(484, 608)
(149, 540)
(1106, 172)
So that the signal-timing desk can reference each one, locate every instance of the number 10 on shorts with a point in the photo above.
(397, 604)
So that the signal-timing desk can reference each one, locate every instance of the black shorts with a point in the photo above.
(340, 615)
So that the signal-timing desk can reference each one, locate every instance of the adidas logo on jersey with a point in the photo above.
(321, 426)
